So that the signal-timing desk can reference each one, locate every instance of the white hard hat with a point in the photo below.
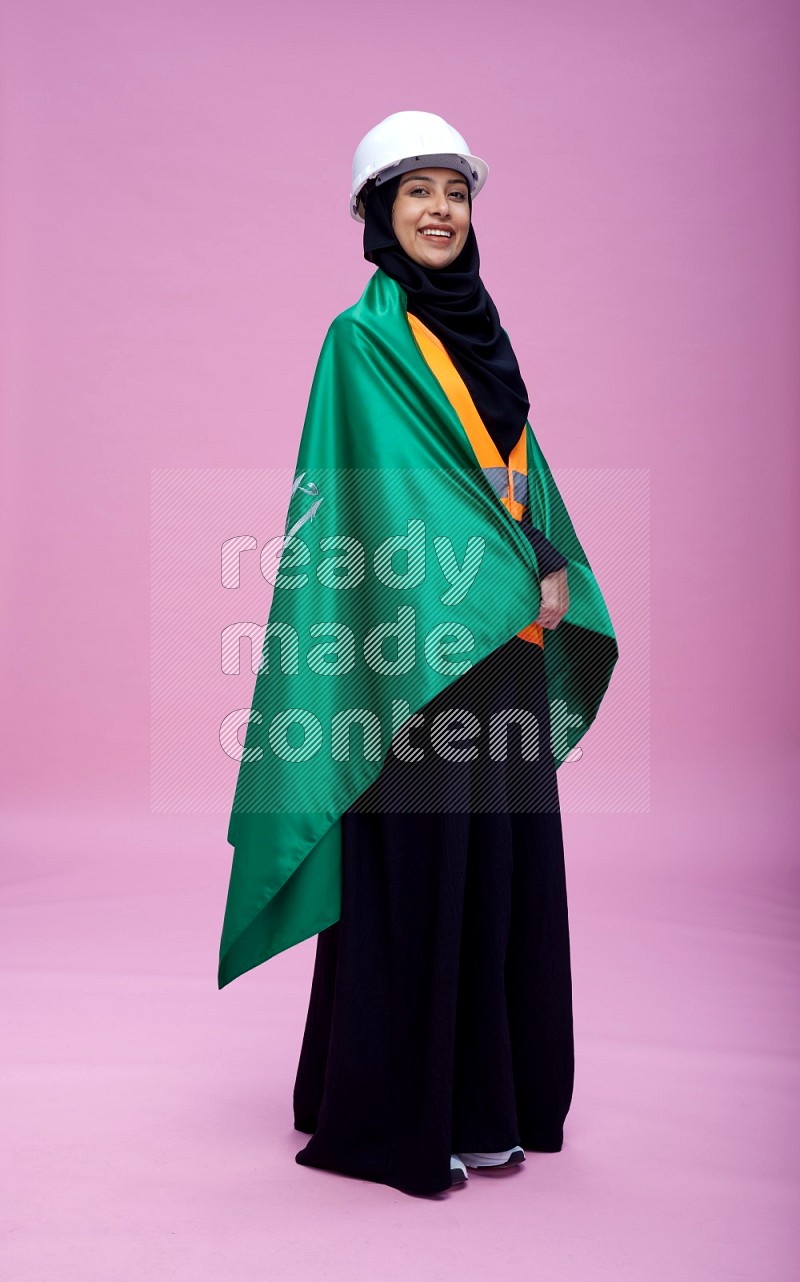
(406, 140)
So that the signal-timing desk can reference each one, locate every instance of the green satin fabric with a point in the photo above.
(387, 454)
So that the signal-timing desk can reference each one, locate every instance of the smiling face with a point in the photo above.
(431, 215)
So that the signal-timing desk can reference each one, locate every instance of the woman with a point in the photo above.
(439, 1031)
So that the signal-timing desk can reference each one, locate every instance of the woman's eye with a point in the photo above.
(461, 195)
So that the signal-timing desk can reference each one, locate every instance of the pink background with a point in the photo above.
(175, 242)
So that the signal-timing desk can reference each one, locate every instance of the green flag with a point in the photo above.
(401, 569)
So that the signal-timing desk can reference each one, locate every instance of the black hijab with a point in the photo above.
(454, 304)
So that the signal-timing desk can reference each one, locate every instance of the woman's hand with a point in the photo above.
(555, 599)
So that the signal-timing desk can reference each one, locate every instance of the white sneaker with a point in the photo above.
(458, 1171)
(510, 1157)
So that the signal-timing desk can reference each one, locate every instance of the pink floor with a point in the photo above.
(148, 1130)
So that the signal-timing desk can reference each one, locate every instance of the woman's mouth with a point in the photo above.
(436, 236)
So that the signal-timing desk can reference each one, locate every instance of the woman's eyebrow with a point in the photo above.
(426, 178)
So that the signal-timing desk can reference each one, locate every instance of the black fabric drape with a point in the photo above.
(455, 304)
(440, 1014)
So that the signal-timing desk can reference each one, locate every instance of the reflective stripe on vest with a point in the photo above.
(509, 482)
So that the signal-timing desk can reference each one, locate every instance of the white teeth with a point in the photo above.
(445, 234)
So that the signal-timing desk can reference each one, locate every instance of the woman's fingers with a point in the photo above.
(555, 599)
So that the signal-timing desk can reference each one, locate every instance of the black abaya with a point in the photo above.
(440, 1015)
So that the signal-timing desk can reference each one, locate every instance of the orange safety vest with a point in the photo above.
(509, 481)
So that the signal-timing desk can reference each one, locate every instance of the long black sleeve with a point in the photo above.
(548, 557)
